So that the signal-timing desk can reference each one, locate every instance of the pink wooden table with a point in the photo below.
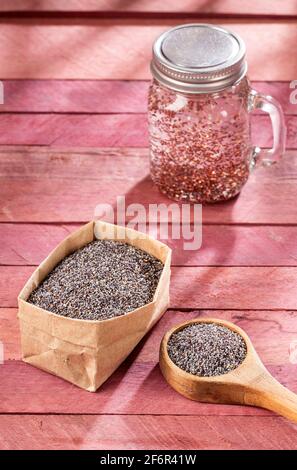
(73, 135)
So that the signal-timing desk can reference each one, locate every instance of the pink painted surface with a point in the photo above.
(67, 185)
(68, 49)
(247, 261)
(135, 432)
(133, 390)
(262, 326)
(222, 245)
(248, 257)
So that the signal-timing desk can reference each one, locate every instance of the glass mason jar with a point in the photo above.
(199, 108)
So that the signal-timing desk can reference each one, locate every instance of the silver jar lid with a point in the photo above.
(198, 58)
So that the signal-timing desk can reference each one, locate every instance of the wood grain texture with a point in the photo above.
(14, 280)
(136, 408)
(271, 333)
(41, 185)
(146, 432)
(107, 130)
(222, 245)
(64, 130)
(234, 288)
(25, 389)
(246, 7)
(81, 96)
(102, 96)
(10, 334)
(97, 48)
(199, 287)
(134, 389)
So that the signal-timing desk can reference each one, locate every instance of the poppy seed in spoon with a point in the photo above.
(206, 349)
(102, 280)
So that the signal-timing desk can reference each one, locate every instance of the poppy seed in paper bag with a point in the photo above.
(102, 280)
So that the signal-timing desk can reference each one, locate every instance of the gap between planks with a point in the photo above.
(84, 16)
(265, 7)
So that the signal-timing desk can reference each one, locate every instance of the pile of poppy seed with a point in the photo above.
(102, 280)
(206, 349)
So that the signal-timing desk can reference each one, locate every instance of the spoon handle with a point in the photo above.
(268, 393)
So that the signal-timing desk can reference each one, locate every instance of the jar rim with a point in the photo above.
(209, 68)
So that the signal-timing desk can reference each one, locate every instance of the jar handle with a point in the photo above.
(271, 106)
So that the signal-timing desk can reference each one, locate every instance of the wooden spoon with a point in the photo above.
(249, 384)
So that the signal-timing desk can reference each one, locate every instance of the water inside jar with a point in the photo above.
(200, 145)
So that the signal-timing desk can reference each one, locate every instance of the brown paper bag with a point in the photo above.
(87, 352)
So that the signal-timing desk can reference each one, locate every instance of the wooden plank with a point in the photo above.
(265, 7)
(146, 432)
(14, 278)
(268, 288)
(107, 130)
(68, 185)
(29, 244)
(222, 245)
(271, 333)
(234, 288)
(9, 334)
(102, 96)
(24, 389)
(118, 130)
(57, 48)
(81, 96)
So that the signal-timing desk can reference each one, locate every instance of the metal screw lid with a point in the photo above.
(198, 58)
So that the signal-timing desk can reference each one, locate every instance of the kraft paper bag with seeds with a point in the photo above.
(87, 352)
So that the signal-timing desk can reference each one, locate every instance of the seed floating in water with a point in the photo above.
(102, 280)
(206, 349)
(200, 144)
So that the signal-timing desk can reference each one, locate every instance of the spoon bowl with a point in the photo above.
(249, 384)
